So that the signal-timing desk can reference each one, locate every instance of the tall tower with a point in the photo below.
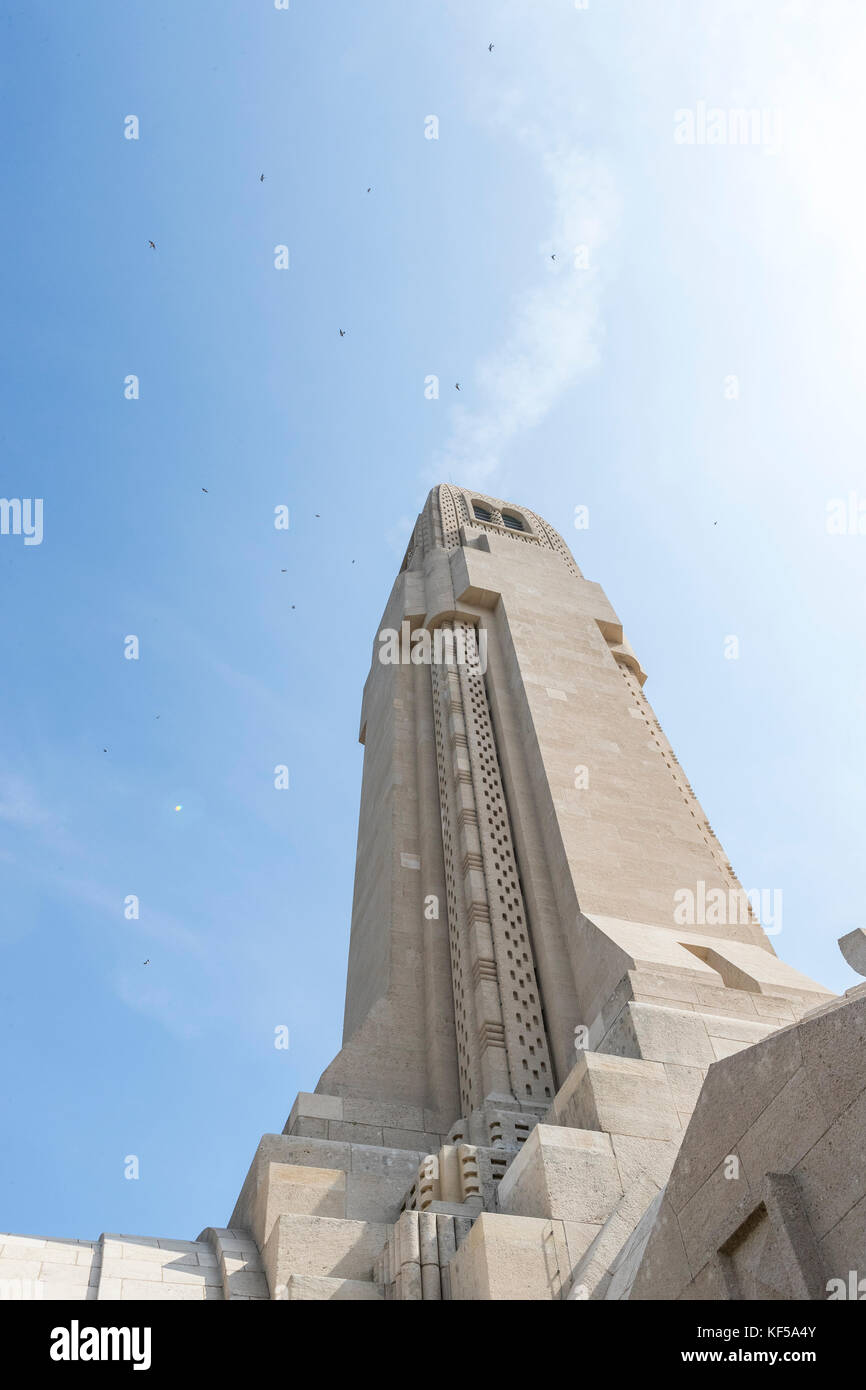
(564, 1026)
(511, 799)
(548, 950)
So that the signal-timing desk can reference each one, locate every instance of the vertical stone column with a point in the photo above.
(438, 1004)
(482, 1060)
(502, 1046)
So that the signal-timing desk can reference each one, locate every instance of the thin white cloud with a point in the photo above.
(555, 326)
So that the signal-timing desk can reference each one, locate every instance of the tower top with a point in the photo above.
(456, 516)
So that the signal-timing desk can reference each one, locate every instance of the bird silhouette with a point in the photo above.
(553, 258)
(261, 178)
(152, 244)
(490, 47)
(369, 190)
(105, 750)
(284, 571)
(204, 489)
(342, 333)
(457, 386)
(146, 962)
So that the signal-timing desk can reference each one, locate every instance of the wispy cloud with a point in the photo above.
(556, 325)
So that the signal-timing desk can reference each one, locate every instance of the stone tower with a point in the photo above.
(549, 952)
(536, 809)
(527, 1024)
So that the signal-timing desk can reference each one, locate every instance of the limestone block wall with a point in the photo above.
(349, 1119)
(767, 1198)
(515, 1258)
(291, 1175)
(221, 1264)
(31, 1267)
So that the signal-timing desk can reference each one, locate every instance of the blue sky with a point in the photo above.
(606, 386)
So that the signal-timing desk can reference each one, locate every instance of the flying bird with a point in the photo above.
(457, 386)
(490, 47)
(204, 489)
(152, 244)
(369, 190)
(342, 333)
(146, 962)
(261, 178)
(284, 571)
(553, 258)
